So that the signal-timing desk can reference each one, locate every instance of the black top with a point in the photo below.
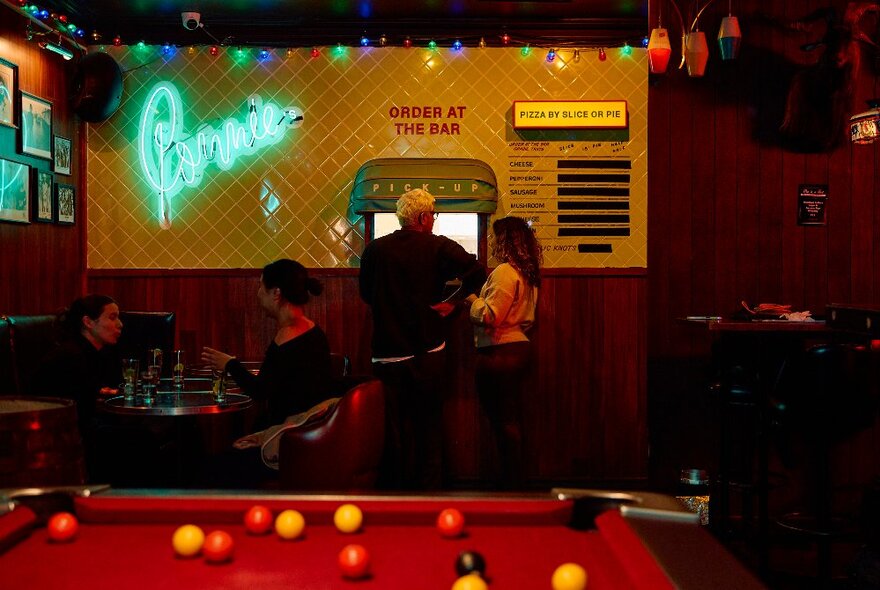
(293, 377)
(402, 275)
(76, 370)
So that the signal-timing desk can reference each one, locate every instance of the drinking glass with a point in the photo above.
(154, 360)
(150, 379)
(178, 368)
(130, 368)
(219, 386)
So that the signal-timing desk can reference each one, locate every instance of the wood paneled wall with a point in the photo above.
(723, 195)
(41, 265)
(586, 415)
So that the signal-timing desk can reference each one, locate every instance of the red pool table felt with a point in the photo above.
(125, 542)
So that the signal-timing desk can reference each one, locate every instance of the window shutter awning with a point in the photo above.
(460, 185)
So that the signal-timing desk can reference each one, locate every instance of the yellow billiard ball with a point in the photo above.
(569, 576)
(188, 540)
(290, 524)
(348, 518)
(470, 582)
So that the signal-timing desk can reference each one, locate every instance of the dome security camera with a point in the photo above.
(191, 20)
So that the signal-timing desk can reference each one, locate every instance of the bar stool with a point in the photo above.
(823, 396)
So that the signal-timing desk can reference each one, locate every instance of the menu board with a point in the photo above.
(577, 204)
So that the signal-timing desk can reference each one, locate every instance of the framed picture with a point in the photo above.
(8, 88)
(62, 155)
(36, 126)
(44, 209)
(65, 204)
(15, 192)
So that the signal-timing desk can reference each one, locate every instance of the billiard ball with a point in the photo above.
(470, 582)
(258, 520)
(450, 522)
(188, 540)
(470, 562)
(569, 576)
(290, 524)
(218, 547)
(354, 561)
(62, 527)
(348, 518)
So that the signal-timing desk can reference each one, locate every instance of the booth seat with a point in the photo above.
(26, 339)
(341, 451)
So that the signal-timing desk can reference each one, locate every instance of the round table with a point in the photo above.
(186, 403)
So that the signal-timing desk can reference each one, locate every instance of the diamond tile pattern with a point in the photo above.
(291, 199)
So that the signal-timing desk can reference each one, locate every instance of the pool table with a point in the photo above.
(624, 540)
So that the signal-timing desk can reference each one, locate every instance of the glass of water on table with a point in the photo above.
(130, 372)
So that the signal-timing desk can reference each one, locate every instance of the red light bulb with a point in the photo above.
(213, 50)
(505, 39)
(315, 52)
(407, 42)
(602, 56)
(117, 41)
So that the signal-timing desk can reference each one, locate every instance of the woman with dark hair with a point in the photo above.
(295, 374)
(85, 364)
(501, 315)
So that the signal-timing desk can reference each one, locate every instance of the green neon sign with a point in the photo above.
(172, 158)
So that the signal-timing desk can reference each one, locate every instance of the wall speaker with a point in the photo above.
(97, 87)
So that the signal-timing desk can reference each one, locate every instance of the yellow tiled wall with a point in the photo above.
(291, 199)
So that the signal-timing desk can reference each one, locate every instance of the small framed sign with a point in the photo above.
(811, 204)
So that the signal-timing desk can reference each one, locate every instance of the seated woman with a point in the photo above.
(295, 374)
(85, 364)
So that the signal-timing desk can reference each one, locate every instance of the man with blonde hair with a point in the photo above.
(402, 275)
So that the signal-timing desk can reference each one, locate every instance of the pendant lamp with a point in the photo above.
(659, 51)
(696, 53)
(729, 36)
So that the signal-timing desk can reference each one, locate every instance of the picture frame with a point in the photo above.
(65, 204)
(15, 191)
(36, 126)
(62, 155)
(44, 203)
(8, 92)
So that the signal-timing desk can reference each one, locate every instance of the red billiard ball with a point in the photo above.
(258, 520)
(354, 561)
(218, 547)
(62, 527)
(450, 522)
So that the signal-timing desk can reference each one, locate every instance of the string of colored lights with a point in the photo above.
(553, 48)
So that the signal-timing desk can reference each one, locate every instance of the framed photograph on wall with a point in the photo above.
(44, 206)
(15, 192)
(36, 126)
(62, 155)
(8, 92)
(65, 204)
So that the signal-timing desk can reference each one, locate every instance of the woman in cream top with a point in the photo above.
(501, 315)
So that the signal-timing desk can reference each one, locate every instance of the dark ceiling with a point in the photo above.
(284, 23)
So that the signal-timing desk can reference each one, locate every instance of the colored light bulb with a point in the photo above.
(602, 56)
(456, 45)
(263, 55)
(626, 49)
(166, 49)
(407, 42)
(383, 41)
(315, 52)
(525, 50)
(645, 41)
(482, 43)
(432, 44)
(117, 41)
(364, 42)
(505, 39)
(213, 50)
